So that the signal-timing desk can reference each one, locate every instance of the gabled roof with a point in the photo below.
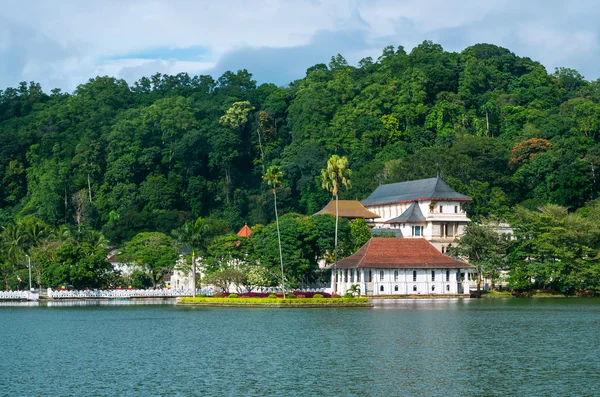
(348, 209)
(423, 189)
(400, 253)
(412, 214)
(245, 231)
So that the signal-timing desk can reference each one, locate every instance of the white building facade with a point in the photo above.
(426, 208)
(397, 266)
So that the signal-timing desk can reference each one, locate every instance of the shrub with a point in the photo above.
(219, 295)
(272, 296)
(300, 296)
(290, 296)
(233, 296)
(202, 295)
(317, 296)
(348, 295)
(335, 296)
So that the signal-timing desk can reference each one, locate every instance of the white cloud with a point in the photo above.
(65, 42)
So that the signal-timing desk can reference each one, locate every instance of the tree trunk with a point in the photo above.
(335, 246)
(89, 186)
(279, 241)
(262, 154)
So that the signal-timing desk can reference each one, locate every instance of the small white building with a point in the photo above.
(427, 208)
(398, 266)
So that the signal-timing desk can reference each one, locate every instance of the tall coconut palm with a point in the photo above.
(336, 174)
(273, 178)
(197, 236)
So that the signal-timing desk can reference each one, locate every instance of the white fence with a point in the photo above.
(14, 294)
(125, 293)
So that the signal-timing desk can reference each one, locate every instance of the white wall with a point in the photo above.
(424, 283)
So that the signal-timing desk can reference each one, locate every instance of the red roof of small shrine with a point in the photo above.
(400, 253)
(245, 231)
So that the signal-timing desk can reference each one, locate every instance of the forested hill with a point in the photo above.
(495, 126)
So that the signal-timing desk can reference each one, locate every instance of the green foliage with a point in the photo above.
(232, 296)
(169, 150)
(317, 296)
(153, 252)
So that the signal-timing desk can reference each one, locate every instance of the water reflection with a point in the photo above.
(90, 302)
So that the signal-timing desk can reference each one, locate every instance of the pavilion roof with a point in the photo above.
(412, 214)
(348, 209)
(245, 231)
(400, 253)
(423, 189)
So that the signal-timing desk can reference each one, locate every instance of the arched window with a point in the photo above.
(396, 288)
(414, 287)
(381, 288)
(433, 287)
(447, 288)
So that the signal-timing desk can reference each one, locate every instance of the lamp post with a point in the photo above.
(29, 258)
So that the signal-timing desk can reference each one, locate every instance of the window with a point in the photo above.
(414, 287)
(431, 208)
(351, 275)
(447, 288)
(443, 248)
(447, 275)
(414, 275)
(417, 230)
(433, 275)
(433, 288)
(396, 275)
(456, 209)
(346, 275)
(370, 276)
(357, 276)
(381, 274)
(381, 288)
(441, 207)
(396, 288)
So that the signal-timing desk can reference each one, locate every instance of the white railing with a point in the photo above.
(13, 295)
(133, 293)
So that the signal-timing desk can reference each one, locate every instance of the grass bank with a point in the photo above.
(275, 302)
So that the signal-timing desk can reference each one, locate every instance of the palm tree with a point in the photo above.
(191, 235)
(273, 178)
(197, 236)
(333, 177)
(14, 237)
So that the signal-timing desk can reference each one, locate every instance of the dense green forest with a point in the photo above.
(110, 160)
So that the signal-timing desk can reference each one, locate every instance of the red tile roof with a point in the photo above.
(245, 231)
(400, 253)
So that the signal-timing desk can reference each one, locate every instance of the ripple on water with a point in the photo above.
(402, 347)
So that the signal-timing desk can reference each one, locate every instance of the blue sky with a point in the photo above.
(63, 43)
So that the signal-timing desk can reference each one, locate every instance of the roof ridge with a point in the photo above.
(368, 244)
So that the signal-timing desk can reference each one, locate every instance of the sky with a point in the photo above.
(63, 43)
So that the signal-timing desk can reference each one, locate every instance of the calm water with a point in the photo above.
(400, 348)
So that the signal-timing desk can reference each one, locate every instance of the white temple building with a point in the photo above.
(399, 266)
(427, 208)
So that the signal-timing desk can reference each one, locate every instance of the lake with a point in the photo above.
(468, 347)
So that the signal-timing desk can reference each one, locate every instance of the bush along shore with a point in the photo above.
(272, 300)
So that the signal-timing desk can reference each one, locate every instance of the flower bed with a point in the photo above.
(276, 302)
(279, 294)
